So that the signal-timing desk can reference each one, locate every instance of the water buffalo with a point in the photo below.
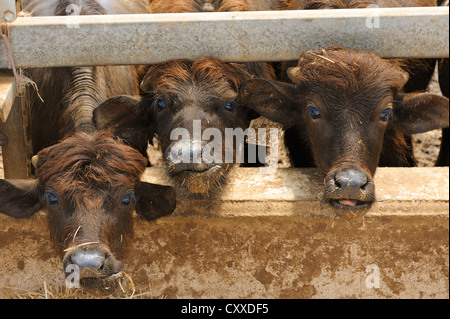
(89, 186)
(87, 181)
(349, 110)
(179, 93)
(420, 70)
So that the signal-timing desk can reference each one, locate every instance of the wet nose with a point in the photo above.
(88, 259)
(186, 155)
(96, 262)
(349, 187)
(351, 179)
(350, 183)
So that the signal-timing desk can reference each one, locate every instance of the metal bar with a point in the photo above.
(231, 36)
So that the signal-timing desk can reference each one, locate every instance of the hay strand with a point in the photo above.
(321, 56)
(81, 245)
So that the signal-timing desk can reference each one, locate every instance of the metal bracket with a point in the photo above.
(9, 9)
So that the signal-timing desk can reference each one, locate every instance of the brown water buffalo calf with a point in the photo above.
(176, 95)
(349, 109)
(89, 186)
(420, 70)
(179, 93)
(88, 182)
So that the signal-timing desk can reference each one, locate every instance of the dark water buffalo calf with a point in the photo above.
(89, 186)
(420, 70)
(88, 182)
(349, 109)
(177, 94)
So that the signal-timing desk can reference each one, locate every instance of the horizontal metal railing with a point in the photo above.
(231, 36)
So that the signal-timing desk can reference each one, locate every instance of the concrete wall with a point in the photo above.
(275, 241)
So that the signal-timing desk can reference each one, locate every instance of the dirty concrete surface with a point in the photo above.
(247, 257)
(282, 248)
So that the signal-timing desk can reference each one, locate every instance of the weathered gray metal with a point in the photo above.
(232, 36)
(8, 10)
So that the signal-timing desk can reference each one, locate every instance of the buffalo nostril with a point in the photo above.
(185, 151)
(89, 259)
(188, 155)
(351, 178)
(349, 187)
(91, 264)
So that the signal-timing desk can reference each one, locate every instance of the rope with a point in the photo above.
(21, 80)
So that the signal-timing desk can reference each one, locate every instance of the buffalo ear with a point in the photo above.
(277, 101)
(19, 198)
(419, 113)
(123, 117)
(154, 201)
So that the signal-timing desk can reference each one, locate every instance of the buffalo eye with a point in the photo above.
(52, 199)
(314, 113)
(127, 200)
(230, 106)
(384, 117)
(160, 104)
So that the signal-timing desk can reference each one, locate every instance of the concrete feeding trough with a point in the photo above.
(268, 236)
